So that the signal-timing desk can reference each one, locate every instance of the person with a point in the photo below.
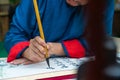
(63, 24)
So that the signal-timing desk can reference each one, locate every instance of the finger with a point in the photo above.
(32, 56)
(37, 51)
(35, 45)
(28, 62)
(42, 45)
(40, 41)
(18, 61)
(49, 45)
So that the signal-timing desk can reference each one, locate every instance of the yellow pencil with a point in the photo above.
(40, 27)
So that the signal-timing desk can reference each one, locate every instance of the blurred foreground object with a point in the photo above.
(104, 67)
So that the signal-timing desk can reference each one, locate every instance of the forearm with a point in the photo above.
(70, 48)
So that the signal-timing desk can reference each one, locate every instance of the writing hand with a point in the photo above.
(36, 50)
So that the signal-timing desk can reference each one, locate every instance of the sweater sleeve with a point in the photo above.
(21, 27)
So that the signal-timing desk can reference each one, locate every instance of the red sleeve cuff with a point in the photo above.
(15, 50)
(74, 48)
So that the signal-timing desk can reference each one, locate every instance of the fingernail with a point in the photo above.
(11, 62)
(48, 47)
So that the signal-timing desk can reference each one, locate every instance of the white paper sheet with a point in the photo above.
(57, 64)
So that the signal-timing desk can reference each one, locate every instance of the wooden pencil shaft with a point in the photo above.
(39, 24)
(38, 20)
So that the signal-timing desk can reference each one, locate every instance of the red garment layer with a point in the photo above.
(74, 48)
(16, 49)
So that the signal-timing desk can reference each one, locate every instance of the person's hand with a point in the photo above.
(23, 61)
(30, 56)
(77, 2)
(36, 51)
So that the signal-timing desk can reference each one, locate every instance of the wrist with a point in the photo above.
(25, 51)
(56, 49)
